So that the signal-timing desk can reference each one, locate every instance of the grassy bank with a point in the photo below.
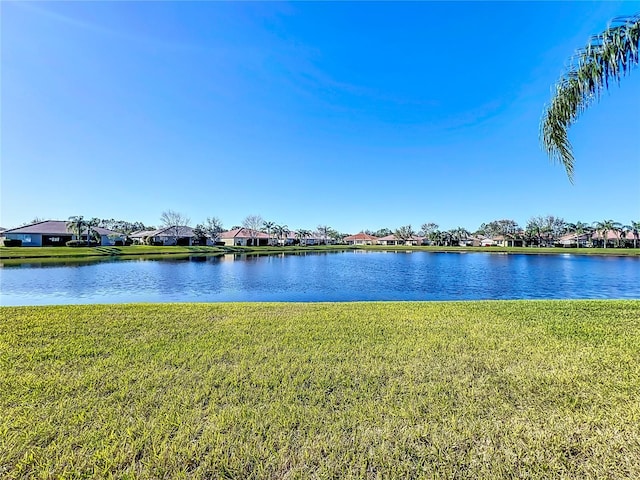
(29, 253)
(26, 253)
(536, 389)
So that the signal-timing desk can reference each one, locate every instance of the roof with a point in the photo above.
(184, 231)
(242, 233)
(55, 227)
(360, 236)
(612, 235)
(395, 238)
(572, 236)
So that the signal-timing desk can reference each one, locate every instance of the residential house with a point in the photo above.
(52, 233)
(361, 239)
(393, 240)
(613, 238)
(508, 241)
(167, 236)
(244, 237)
(573, 239)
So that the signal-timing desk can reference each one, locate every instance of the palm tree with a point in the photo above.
(268, 227)
(281, 232)
(76, 225)
(302, 235)
(605, 227)
(607, 56)
(91, 233)
(324, 230)
(459, 234)
(579, 229)
(635, 229)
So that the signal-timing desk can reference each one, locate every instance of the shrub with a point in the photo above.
(81, 243)
(12, 242)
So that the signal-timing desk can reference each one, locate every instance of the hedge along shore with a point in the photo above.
(488, 389)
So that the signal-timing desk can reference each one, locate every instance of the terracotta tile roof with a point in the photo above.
(242, 233)
(360, 236)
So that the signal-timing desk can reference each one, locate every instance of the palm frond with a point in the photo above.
(607, 56)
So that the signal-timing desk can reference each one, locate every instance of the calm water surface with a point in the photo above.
(334, 276)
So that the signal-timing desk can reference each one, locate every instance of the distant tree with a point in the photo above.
(253, 224)
(635, 230)
(405, 233)
(336, 236)
(428, 228)
(619, 231)
(199, 233)
(436, 237)
(383, 232)
(34, 220)
(458, 234)
(281, 232)
(268, 228)
(212, 228)
(555, 228)
(603, 228)
(323, 232)
(175, 224)
(124, 226)
(76, 226)
(505, 228)
(578, 229)
(92, 234)
(302, 235)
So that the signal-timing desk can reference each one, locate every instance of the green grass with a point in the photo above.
(27, 253)
(514, 389)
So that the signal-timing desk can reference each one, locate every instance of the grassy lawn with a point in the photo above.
(529, 389)
(26, 253)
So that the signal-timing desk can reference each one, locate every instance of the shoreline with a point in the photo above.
(26, 254)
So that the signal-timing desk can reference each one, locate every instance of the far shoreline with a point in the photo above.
(17, 255)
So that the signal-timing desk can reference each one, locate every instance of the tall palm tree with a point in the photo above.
(91, 233)
(579, 229)
(607, 56)
(302, 235)
(635, 229)
(281, 232)
(604, 227)
(76, 225)
(268, 227)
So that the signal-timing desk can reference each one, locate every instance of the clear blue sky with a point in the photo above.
(356, 115)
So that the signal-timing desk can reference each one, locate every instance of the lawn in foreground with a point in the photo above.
(534, 389)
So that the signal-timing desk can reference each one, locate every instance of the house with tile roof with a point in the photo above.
(394, 240)
(361, 239)
(166, 236)
(245, 238)
(53, 233)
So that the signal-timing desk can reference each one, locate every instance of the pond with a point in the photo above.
(327, 276)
